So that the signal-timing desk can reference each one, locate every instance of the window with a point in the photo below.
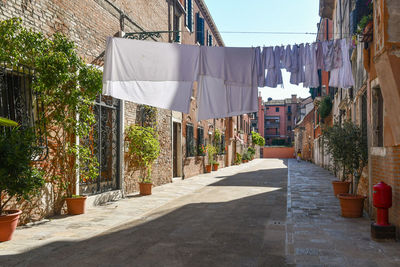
(377, 119)
(222, 148)
(16, 96)
(189, 141)
(19, 103)
(177, 28)
(189, 15)
(200, 140)
(289, 128)
(289, 109)
(289, 117)
(199, 29)
(276, 109)
(209, 38)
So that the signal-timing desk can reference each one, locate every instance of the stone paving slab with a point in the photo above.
(233, 217)
(316, 233)
(102, 218)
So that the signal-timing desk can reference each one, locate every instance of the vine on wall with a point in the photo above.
(68, 88)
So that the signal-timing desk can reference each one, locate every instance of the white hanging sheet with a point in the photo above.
(152, 73)
(228, 82)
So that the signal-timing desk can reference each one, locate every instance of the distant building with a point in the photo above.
(279, 120)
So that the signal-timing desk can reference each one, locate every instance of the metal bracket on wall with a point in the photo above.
(146, 35)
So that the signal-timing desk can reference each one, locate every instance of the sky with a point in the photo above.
(299, 16)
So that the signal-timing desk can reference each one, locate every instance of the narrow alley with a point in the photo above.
(233, 217)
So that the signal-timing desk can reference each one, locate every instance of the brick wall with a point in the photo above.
(162, 167)
(278, 152)
(385, 163)
(88, 23)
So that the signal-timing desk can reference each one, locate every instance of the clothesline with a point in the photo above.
(163, 74)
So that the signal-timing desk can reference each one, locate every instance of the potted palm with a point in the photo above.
(144, 149)
(211, 151)
(353, 159)
(18, 177)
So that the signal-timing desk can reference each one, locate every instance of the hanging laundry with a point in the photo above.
(337, 54)
(287, 58)
(297, 71)
(310, 68)
(274, 74)
(329, 53)
(294, 65)
(343, 77)
(260, 67)
(152, 73)
(320, 56)
(228, 82)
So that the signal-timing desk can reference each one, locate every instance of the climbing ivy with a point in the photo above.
(67, 88)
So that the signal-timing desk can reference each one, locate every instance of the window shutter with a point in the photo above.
(189, 15)
(200, 29)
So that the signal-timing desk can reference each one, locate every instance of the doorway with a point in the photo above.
(177, 150)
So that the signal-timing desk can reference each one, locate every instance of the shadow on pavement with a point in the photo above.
(241, 232)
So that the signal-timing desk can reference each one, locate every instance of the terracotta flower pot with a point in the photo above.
(215, 167)
(145, 188)
(245, 161)
(340, 187)
(208, 168)
(76, 205)
(351, 205)
(8, 223)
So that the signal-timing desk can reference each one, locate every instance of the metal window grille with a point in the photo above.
(190, 151)
(19, 103)
(200, 139)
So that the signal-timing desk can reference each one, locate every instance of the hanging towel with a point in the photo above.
(294, 66)
(227, 83)
(152, 73)
(343, 77)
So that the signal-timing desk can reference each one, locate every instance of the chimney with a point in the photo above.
(294, 98)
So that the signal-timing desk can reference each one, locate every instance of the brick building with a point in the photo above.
(373, 101)
(88, 24)
(279, 120)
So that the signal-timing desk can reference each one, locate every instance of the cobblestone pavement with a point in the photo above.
(316, 233)
(268, 212)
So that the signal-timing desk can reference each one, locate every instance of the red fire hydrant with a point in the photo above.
(382, 196)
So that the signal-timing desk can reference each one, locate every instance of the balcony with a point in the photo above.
(272, 125)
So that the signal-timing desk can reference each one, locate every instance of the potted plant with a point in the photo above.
(144, 149)
(334, 140)
(238, 158)
(354, 157)
(257, 139)
(215, 165)
(246, 156)
(211, 151)
(251, 152)
(67, 88)
(19, 178)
